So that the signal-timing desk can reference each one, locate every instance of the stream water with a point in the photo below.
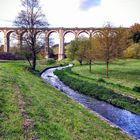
(124, 119)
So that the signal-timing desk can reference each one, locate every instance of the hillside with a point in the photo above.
(32, 109)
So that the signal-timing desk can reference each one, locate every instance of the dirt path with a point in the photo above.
(28, 122)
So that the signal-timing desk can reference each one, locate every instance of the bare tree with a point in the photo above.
(31, 18)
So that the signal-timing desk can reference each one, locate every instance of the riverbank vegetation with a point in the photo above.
(32, 109)
(119, 89)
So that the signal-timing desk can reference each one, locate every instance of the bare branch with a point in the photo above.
(31, 18)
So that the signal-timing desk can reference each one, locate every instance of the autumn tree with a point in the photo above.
(134, 33)
(133, 51)
(136, 37)
(121, 41)
(134, 28)
(109, 44)
(30, 19)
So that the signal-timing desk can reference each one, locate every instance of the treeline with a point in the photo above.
(108, 44)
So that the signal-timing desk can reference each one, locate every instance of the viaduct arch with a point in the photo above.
(47, 31)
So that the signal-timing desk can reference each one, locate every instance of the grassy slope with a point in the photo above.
(30, 108)
(123, 72)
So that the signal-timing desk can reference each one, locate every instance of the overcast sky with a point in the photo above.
(78, 13)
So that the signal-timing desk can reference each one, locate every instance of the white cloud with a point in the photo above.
(8, 11)
(118, 12)
(87, 4)
(67, 13)
(61, 12)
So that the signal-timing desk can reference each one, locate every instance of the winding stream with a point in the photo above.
(124, 119)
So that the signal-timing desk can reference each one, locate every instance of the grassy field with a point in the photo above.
(31, 109)
(124, 75)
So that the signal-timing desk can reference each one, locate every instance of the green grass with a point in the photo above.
(80, 79)
(98, 91)
(55, 116)
(124, 75)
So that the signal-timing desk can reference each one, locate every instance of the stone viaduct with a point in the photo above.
(47, 31)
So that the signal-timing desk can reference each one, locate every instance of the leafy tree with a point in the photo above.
(31, 18)
(134, 28)
(134, 50)
(71, 49)
(134, 33)
(90, 52)
(83, 44)
(122, 42)
(77, 48)
(108, 45)
(136, 37)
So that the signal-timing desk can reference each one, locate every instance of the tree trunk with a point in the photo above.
(90, 66)
(107, 64)
(34, 62)
(80, 61)
(28, 59)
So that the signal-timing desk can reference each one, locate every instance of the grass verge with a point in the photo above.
(32, 109)
(99, 88)
(124, 75)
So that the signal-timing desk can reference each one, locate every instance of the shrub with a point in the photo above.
(7, 56)
(101, 80)
(11, 56)
(76, 63)
(42, 62)
(132, 52)
(136, 88)
(51, 61)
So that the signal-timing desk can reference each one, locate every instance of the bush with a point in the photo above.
(64, 62)
(7, 56)
(136, 88)
(132, 52)
(76, 63)
(101, 80)
(51, 61)
(10, 56)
